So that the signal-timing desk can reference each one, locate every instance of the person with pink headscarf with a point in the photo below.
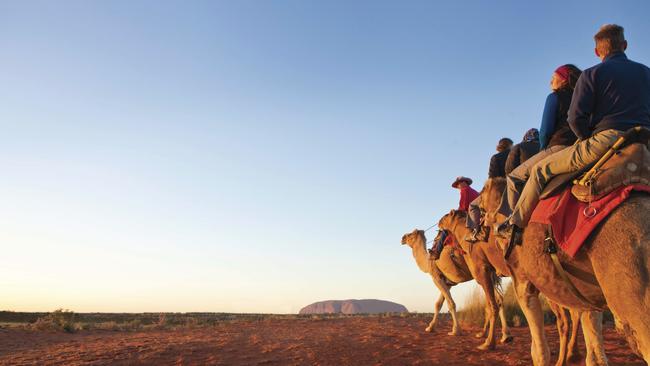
(555, 133)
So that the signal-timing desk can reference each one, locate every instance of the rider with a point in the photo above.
(555, 133)
(467, 193)
(609, 98)
(497, 169)
(498, 160)
(523, 151)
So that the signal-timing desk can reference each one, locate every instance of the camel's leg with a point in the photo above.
(622, 267)
(484, 279)
(506, 337)
(573, 350)
(436, 311)
(592, 328)
(528, 299)
(446, 293)
(561, 321)
(486, 324)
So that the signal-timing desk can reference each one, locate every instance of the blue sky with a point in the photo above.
(257, 156)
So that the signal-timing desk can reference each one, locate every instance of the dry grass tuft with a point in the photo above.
(58, 320)
(473, 311)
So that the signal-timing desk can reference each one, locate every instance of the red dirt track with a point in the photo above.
(335, 341)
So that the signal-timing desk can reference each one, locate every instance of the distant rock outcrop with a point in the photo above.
(353, 307)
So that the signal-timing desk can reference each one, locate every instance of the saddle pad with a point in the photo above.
(451, 242)
(569, 217)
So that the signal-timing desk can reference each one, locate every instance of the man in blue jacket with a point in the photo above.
(609, 98)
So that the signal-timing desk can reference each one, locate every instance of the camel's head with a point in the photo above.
(491, 198)
(450, 220)
(410, 239)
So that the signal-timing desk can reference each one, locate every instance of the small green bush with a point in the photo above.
(58, 320)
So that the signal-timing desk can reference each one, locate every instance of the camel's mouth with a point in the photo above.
(404, 240)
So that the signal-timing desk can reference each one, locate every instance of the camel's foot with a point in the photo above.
(479, 335)
(428, 329)
(455, 332)
(506, 339)
(574, 357)
(486, 347)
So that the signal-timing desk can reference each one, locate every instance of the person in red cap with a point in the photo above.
(554, 133)
(609, 99)
(467, 193)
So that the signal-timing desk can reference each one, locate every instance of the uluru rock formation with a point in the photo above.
(368, 306)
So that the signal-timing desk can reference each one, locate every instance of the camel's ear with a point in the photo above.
(452, 213)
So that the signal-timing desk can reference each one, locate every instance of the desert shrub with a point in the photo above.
(473, 311)
(191, 322)
(134, 325)
(514, 315)
(112, 325)
(162, 320)
(58, 320)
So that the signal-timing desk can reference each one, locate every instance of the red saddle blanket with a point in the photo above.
(450, 241)
(572, 221)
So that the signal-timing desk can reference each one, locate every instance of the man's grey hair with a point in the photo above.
(610, 38)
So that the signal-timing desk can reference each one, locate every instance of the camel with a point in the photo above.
(445, 270)
(487, 254)
(611, 270)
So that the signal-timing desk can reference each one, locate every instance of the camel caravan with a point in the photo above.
(565, 213)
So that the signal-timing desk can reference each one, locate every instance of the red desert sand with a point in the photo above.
(333, 341)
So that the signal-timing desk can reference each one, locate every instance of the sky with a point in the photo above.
(258, 156)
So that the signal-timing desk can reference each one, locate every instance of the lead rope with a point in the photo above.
(430, 227)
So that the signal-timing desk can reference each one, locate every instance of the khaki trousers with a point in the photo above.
(474, 213)
(574, 158)
(518, 177)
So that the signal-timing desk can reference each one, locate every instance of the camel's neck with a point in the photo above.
(421, 256)
(459, 230)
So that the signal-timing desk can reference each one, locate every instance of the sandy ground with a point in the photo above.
(343, 341)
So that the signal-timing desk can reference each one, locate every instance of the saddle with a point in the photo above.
(629, 166)
(626, 163)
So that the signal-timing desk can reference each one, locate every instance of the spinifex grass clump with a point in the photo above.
(58, 320)
(473, 311)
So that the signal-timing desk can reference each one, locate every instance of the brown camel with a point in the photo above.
(484, 275)
(447, 271)
(454, 222)
(488, 255)
(611, 270)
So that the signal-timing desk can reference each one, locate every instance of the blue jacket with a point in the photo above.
(614, 94)
(555, 129)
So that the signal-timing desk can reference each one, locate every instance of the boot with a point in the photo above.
(511, 232)
(483, 233)
(473, 236)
